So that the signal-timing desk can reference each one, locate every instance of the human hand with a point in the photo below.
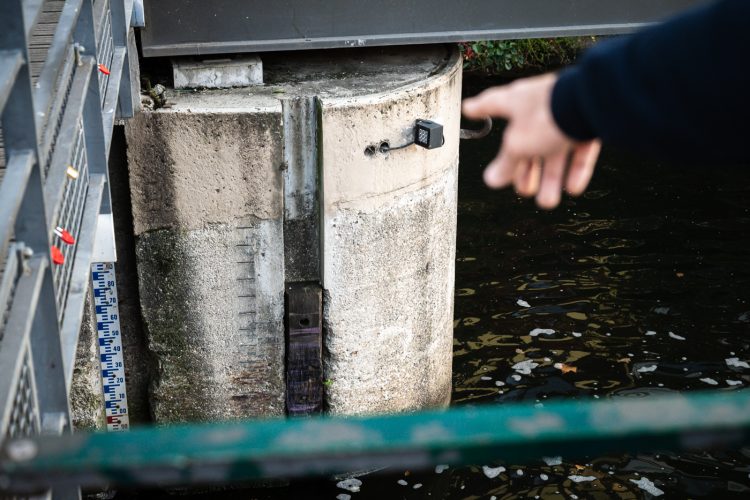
(534, 152)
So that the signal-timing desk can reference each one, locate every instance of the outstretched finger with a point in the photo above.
(582, 165)
(494, 101)
(552, 180)
(499, 173)
(527, 177)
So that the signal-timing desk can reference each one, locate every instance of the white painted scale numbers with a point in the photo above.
(110, 345)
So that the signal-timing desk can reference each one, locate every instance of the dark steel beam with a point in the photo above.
(192, 27)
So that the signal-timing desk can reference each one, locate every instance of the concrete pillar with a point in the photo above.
(208, 177)
(207, 215)
(389, 231)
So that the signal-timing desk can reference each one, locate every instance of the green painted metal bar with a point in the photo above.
(515, 433)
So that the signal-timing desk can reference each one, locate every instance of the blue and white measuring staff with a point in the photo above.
(111, 357)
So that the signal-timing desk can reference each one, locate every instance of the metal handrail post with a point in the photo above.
(33, 229)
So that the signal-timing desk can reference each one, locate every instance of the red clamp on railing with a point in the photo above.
(64, 235)
(104, 69)
(57, 256)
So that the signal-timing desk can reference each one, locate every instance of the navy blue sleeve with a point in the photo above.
(678, 90)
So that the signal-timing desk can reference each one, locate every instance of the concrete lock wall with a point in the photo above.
(206, 195)
(208, 177)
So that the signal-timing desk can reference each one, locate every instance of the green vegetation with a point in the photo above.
(500, 56)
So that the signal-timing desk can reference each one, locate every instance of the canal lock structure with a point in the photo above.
(637, 288)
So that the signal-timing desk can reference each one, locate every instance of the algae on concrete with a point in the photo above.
(212, 365)
(206, 179)
(207, 215)
(86, 397)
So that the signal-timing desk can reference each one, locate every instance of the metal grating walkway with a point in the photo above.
(42, 36)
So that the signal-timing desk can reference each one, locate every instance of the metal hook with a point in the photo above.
(477, 134)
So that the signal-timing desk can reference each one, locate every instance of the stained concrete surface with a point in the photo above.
(140, 364)
(389, 235)
(219, 350)
(206, 184)
(207, 215)
(86, 401)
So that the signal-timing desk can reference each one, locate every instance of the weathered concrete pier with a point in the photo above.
(238, 193)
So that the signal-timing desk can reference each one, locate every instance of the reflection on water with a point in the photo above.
(639, 287)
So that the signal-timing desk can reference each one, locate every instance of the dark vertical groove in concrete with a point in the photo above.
(301, 198)
(319, 185)
(324, 295)
(302, 256)
(139, 363)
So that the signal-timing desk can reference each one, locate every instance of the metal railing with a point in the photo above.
(64, 77)
(277, 448)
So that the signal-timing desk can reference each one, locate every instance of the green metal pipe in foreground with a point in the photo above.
(228, 452)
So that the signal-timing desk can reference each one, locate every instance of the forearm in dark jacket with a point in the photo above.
(678, 90)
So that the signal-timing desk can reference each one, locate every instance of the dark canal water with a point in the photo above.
(645, 280)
